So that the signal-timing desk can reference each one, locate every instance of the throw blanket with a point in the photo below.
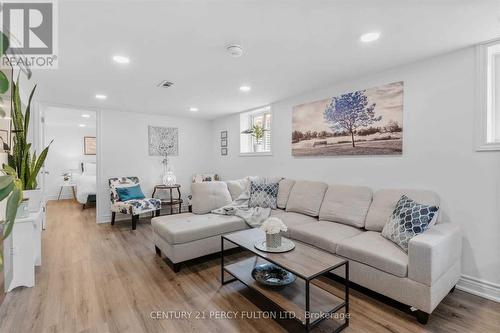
(253, 216)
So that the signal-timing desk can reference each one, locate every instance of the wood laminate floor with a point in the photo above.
(99, 278)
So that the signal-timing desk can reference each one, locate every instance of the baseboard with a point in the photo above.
(479, 287)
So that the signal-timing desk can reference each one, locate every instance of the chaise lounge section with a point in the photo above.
(344, 220)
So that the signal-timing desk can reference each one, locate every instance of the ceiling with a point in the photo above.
(64, 116)
(290, 47)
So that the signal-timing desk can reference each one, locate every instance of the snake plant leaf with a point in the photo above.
(4, 192)
(4, 83)
(28, 112)
(24, 174)
(17, 115)
(38, 165)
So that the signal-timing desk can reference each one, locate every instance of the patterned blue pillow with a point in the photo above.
(263, 194)
(408, 219)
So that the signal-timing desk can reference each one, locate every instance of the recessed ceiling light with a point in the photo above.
(121, 59)
(100, 96)
(82, 125)
(193, 109)
(245, 88)
(85, 116)
(370, 37)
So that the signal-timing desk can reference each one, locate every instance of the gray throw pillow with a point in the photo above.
(263, 194)
(408, 220)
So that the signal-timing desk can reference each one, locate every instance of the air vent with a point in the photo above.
(165, 84)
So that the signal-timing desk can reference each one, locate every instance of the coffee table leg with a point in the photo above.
(347, 293)
(222, 260)
(307, 306)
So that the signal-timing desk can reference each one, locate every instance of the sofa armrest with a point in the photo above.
(432, 253)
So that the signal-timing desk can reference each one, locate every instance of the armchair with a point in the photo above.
(132, 207)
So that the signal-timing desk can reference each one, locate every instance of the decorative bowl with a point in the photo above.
(272, 275)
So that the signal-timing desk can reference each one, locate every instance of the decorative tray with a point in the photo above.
(286, 245)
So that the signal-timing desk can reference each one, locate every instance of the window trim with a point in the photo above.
(482, 101)
(252, 113)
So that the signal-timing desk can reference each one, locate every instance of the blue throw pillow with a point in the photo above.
(408, 220)
(263, 195)
(130, 193)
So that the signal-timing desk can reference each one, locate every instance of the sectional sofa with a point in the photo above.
(341, 219)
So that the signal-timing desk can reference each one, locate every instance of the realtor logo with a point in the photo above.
(31, 29)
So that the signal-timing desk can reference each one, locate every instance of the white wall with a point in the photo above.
(123, 144)
(438, 153)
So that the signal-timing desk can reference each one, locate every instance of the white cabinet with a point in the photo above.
(22, 251)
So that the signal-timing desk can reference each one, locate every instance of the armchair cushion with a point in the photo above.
(130, 193)
(432, 253)
(136, 206)
(120, 182)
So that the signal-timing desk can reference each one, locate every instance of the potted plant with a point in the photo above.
(23, 164)
(10, 186)
(258, 134)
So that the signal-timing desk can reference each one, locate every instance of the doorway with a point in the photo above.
(70, 171)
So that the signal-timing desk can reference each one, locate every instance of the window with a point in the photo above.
(255, 129)
(488, 122)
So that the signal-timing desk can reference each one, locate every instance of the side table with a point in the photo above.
(67, 184)
(171, 201)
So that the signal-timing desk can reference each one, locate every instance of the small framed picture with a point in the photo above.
(223, 151)
(223, 134)
(89, 145)
(223, 142)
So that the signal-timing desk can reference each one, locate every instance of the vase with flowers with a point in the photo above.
(273, 227)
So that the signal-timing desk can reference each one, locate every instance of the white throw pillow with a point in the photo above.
(238, 186)
(208, 196)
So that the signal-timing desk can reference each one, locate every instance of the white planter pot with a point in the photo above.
(258, 147)
(23, 210)
(35, 199)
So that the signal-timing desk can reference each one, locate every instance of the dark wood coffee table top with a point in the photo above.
(304, 260)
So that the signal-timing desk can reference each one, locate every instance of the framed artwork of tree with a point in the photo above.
(363, 122)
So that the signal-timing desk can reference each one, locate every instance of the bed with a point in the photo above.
(86, 185)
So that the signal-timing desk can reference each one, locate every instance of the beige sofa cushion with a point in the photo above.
(306, 197)
(292, 219)
(371, 249)
(346, 204)
(238, 186)
(323, 234)
(188, 227)
(208, 196)
(285, 187)
(384, 202)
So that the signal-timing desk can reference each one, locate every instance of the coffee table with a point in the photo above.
(305, 298)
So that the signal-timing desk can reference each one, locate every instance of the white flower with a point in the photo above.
(273, 225)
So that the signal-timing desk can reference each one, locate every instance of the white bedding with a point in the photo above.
(85, 185)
